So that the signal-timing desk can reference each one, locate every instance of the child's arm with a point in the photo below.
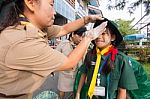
(82, 80)
(121, 93)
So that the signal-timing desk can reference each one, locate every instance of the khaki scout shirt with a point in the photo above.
(26, 59)
(66, 47)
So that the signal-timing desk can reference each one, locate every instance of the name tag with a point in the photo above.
(93, 63)
(99, 91)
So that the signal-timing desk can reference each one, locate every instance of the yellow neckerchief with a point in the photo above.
(98, 61)
(23, 20)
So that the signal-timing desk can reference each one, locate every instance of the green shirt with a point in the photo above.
(119, 75)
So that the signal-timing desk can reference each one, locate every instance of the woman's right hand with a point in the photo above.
(94, 33)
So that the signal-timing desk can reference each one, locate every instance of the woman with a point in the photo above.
(106, 70)
(26, 59)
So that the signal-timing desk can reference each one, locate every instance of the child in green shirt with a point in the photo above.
(106, 71)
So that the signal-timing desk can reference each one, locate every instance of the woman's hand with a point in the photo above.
(94, 33)
(92, 18)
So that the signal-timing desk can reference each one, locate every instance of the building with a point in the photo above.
(69, 10)
(93, 7)
(80, 8)
(66, 11)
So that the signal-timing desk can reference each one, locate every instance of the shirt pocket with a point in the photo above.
(114, 80)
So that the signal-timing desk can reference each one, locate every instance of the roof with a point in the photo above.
(135, 37)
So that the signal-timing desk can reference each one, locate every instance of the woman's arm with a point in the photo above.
(74, 25)
(77, 54)
(82, 80)
(121, 93)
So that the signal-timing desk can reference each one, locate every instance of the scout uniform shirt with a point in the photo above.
(26, 58)
(66, 47)
(66, 78)
(119, 76)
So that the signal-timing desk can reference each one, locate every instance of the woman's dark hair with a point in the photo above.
(9, 12)
(108, 66)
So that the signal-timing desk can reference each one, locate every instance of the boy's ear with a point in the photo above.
(113, 37)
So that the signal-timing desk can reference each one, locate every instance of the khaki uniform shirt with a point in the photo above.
(26, 58)
(66, 47)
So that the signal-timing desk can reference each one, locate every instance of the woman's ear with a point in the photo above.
(30, 4)
(113, 37)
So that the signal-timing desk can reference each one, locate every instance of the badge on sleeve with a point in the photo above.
(130, 63)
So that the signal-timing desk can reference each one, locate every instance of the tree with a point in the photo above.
(120, 4)
(125, 27)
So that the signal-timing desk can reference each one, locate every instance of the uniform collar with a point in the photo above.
(30, 29)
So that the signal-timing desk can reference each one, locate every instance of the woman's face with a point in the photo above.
(43, 12)
(104, 39)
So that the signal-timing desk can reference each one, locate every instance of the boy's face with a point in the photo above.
(76, 39)
(104, 39)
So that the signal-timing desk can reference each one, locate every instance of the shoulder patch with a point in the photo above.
(130, 63)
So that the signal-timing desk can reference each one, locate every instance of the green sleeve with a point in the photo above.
(143, 81)
(127, 77)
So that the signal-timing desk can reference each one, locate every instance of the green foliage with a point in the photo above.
(124, 27)
(147, 67)
(140, 54)
(138, 49)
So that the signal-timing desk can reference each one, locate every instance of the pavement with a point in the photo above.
(51, 84)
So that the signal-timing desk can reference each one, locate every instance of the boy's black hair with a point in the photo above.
(79, 32)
